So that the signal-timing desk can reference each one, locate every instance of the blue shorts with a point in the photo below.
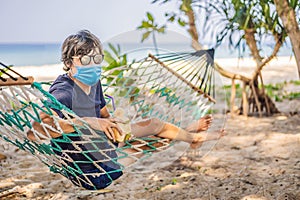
(82, 161)
(95, 182)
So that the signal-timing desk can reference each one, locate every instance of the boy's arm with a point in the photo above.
(104, 112)
(105, 125)
(65, 125)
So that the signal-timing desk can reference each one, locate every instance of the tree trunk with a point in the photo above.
(251, 42)
(278, 44)
(193, 30)
(257, 102)
(258, 99)
(288, 17)
(154, 42)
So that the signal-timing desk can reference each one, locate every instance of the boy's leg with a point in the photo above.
(153, 126)
(147, 127)
(161, 129)
(172, 132)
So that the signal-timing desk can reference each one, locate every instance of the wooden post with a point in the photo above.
(265, 96)
(256, 99)
(245, 100)
(232, 97)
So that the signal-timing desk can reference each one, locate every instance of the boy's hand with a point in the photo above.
(107, 125)
(46, 119)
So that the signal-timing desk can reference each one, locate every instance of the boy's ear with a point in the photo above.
(67, 65)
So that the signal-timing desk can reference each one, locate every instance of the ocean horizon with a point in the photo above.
(48, 54)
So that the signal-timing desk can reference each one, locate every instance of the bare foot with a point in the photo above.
(199, 138)
(201, 125)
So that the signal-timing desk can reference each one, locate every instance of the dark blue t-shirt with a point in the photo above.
(71, 95)
(84, 105)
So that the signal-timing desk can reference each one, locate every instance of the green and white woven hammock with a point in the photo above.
(175, 87)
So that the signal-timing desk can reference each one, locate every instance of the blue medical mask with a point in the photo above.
(88, 75)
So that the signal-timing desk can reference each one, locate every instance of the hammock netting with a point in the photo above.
(174, 87)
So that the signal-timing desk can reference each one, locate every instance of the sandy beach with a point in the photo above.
(258, 159)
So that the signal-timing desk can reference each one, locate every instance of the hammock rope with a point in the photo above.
(174, 87)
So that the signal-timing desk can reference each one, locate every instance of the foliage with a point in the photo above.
(178, 17)
(115, 59)
(296, 82)
(295, 5)
(275, 91)
(174, 181)
(150, 26)
(231, 19)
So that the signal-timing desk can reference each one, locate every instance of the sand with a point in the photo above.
(259, 158)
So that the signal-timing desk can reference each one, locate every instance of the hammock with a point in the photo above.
(175, 87)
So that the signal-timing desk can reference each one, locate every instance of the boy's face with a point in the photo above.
(85, 68)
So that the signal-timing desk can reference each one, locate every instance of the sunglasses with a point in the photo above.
(86, 60)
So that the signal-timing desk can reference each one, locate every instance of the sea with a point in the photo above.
(38, 54)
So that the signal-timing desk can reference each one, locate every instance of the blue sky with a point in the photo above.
(115, 21)
(40, 21)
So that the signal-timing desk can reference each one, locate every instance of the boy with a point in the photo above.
(80, 90)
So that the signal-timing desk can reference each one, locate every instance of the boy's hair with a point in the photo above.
(81, 43)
